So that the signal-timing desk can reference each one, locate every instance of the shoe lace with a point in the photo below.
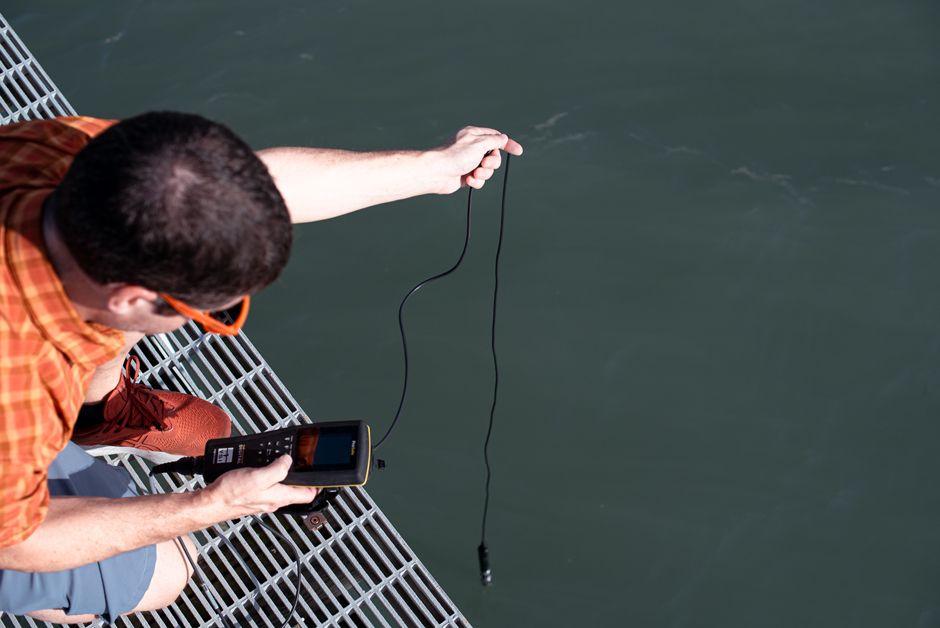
(143, 407)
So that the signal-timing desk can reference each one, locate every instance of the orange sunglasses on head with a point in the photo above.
(209, 324)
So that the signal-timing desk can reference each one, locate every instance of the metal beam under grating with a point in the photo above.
(357, 570)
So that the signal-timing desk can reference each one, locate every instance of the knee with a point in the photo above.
(170, 575)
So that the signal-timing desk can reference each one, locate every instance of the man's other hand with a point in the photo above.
(471, 156)
(247, 491)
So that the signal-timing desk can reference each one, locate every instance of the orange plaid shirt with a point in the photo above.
(47, 353)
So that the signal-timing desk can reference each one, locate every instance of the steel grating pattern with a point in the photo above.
(357, 570)
(25, 90)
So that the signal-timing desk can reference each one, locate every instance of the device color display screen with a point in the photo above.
(325, 450)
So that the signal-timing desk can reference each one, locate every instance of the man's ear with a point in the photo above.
(127, 299)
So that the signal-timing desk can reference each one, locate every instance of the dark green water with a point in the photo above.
(719, 325)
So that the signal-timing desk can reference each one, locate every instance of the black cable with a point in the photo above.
(401, 324)
(205, 587)
(211, 596)
(300, 565)
(483, 550)
(208, 591)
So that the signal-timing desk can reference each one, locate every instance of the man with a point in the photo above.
(112, 231)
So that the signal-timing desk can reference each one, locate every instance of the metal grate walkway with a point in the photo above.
(357, 570)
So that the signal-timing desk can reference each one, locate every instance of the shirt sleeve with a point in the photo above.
(37, 153)
(30, 429)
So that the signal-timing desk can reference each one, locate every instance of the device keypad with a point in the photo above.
(274, 448)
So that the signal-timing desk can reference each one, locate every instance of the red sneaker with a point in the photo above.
(155, 424)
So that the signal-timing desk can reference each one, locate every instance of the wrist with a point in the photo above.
(208, 506)
(437, 178)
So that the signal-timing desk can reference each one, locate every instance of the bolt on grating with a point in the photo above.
(357, 570)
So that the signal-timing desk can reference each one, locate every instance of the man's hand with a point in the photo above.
(244, 492)
(472, 154)
(320, 183)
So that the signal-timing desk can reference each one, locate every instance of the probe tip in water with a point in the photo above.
(486, 577)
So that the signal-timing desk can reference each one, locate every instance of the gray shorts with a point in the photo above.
(108, 588)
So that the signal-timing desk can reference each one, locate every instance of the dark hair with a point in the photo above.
(177, 204)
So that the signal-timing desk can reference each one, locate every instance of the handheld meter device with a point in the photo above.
(326, 455)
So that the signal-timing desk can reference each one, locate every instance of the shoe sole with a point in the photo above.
(158, 457)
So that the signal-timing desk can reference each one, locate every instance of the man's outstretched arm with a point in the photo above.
(82, 530)
(320, 183)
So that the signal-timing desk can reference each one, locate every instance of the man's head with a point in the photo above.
(174, 203)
